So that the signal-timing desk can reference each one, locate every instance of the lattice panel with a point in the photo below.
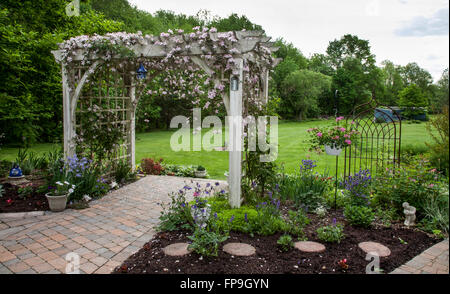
(378, 144)
(108, 92)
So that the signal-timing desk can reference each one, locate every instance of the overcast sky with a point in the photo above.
(402, 31)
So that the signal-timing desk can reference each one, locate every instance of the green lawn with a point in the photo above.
(292, 148)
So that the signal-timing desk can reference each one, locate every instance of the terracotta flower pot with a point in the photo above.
(332, 151)
(57, 203)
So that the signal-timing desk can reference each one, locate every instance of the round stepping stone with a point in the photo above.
(375, 247)
(239, 249)
(177, 249)
(309, 246)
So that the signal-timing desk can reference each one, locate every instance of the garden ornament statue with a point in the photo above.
(410, 214)
(15, 172)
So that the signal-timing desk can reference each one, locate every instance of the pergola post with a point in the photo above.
(131, 115)
(69, 120)
(235, 138)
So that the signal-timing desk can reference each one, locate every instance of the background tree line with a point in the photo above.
(301, 87)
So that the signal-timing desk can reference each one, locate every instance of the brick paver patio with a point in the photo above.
(103, 235)
(434, 260)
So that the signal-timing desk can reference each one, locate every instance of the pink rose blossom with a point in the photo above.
(319, 134)
(339, 118)
(348, 142)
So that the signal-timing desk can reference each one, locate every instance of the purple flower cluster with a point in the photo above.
(77, 166)
(307, 165)
(358, 185)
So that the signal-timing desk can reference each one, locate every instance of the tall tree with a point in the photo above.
(442, 93)
(393, 82)
(301, 93)
(350, 46)
(352, 84)
(321, 63)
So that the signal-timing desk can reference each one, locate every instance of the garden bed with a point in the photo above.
(404, 244)
(12, 201)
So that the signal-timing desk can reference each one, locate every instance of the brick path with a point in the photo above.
(434, 260)
(103, 235)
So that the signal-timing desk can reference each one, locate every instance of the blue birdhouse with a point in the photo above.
(15, 172)
(141, 72)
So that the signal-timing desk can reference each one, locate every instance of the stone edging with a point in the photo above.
(20, 215)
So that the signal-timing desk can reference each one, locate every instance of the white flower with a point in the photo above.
(70, 191)
(59, 183)
(66, 182)
(114, 185)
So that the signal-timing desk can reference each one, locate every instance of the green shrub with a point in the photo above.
(206, 243)
(176, 215)
(285, 243)
(385, 215)
(306, 188)
(333, 233)
(436, 211)
(297, 221)
(122, 172)
(2, 191)
(5, 167)
(407, 184)
(242, 217)
(413, 150)
(359, 216)
(341, 198)
(440, 148)
(179, 170)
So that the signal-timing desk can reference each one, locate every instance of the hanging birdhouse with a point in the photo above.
(141, 72)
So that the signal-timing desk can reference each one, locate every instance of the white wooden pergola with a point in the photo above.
(250, 47)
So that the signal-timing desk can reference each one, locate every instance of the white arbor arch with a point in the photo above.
(99, 73)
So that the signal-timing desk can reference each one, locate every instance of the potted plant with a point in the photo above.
(57, 198)
(334, 138)
(200, 172)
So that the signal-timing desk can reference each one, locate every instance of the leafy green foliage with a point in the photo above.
(359, 216)
(176, 215)
(285, 242)
(301, 91)
(122, 171)
(206, 243)
(436, 210)
(412, 98)
(297, 221)
(306, 187)
(413, 184)
(333, 233)
(440, 148)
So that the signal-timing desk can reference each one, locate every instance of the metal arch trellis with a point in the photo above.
(379, 141)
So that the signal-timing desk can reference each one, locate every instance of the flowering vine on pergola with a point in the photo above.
(104, 76)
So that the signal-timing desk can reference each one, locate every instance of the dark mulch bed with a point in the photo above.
(270, 260)
(13, 202)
